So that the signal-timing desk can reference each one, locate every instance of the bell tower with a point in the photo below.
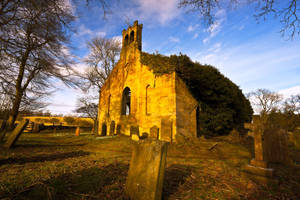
(132, 39)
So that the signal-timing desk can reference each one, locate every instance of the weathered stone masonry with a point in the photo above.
(134, 96)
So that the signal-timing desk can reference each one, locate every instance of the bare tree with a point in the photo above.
(33, 50)
(265, 100)
(87, 107)
(292, 105)
(286, 11)
(103, 56)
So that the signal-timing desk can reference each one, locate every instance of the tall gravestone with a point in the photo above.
(134, 132)
(12, 139)
(146, 171)
(154, 132)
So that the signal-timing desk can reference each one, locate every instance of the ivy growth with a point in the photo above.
(223, 105)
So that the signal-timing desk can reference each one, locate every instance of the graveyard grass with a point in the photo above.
(63, 166)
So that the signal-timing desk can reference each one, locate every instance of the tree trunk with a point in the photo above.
(14, 112)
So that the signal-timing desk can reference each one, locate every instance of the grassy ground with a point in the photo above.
(62, 166)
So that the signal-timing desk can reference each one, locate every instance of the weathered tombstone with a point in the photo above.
(276, 150)
(144, 135)
(154, 132)
(77, 131)
(104, 130)
(166, 130)
(134, 130)
(112, 128)
(36, 127)
(12, 139)
(118, 131)
(2, 129)
(146, 171)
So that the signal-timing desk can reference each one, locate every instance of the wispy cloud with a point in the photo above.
(84, 31)
(174, 39)
(192, 28)
(215, 28)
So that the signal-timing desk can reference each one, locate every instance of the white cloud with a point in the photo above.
(216, 47)
(119, 38)
(83, 30)
(290, 91)
(174, 39)
(195, 35)
(162, 11)
(192, 28)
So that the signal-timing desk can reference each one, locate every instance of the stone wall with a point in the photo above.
(186, 107)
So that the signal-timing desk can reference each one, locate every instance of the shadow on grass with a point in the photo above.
(42, 158)
(175, 175)
(93, 183)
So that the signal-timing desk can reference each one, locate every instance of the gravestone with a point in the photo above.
(36, 127)
(258, 166)
(118, 131)
(166, 130)
(2, 129)
(77, 131)
(12, 139)
(146, 171)
(276, 150)
(154, 132)
(134, 130)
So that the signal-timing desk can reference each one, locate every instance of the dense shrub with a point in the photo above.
(223, 105)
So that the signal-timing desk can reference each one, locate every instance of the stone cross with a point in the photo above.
(146, 171)
(12, 139)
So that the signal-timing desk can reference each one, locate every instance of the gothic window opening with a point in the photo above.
(104, 130)
(132, 36)
(126, 40)
(126, 101)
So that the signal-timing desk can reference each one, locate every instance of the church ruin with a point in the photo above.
(133, 97)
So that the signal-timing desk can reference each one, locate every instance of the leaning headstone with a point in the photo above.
(77, 131)
(154, 132)
(2, 129)
(12, 139)
(146, 171)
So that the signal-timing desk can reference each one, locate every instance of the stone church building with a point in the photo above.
(133, 99)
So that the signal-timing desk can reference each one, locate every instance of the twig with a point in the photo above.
(211, 148)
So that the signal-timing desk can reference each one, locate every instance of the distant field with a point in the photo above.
(63, 166)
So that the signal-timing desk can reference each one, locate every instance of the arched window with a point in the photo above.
(132, 36)
(126, 101)
(126, 40)
(104, 130)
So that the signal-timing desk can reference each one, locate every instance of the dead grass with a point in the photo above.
(62, 166)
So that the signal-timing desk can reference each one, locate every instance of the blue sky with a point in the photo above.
(253, 54)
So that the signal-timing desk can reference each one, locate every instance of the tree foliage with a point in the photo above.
(223, 105)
